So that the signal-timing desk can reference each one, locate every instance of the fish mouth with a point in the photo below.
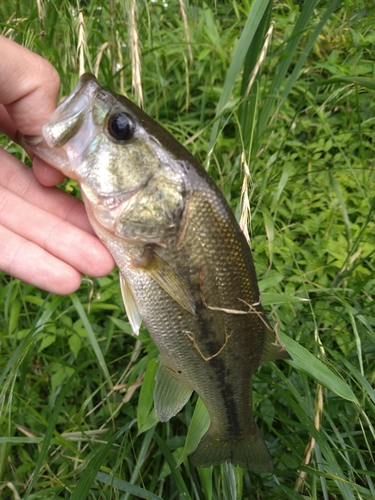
(63, 125)
(68, 117)
(55, 157)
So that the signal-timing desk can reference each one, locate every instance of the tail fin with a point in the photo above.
(250, 453)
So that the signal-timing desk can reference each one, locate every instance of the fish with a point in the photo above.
(186, 268)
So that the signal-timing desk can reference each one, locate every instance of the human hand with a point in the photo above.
(45, 236)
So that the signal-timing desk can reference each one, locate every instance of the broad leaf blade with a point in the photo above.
(307, 363)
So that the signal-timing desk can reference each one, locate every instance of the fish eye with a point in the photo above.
(121, 127)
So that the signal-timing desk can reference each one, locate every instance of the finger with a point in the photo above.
(28, 262)
(46, 175)
(29, 86)
(6, 124)
(20, 180)
(59, 238)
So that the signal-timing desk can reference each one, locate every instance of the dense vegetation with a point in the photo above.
(276, 100)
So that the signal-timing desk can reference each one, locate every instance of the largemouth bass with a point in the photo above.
(186, 269)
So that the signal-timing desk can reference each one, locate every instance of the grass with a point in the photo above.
(276, 100)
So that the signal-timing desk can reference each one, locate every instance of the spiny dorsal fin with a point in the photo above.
(273, 347)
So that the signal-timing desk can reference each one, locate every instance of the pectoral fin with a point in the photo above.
(170, 395)
(166, 277)
(131, 307)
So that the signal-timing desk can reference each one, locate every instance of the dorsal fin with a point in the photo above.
(273, 347)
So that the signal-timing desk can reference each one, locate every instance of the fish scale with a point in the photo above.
(185, 266)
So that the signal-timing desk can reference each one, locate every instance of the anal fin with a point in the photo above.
(170, 395)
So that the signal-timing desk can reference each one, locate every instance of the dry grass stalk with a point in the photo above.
(14, 491)
(8, 29)
(311, 444)
(186, 29)
(99, 58)
(245, 218)
(121, 64)
(261, 59)
(81, 42)
(41, 10)
(135, 54)
(318, 412)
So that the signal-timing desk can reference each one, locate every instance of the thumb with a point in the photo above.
(29, 86)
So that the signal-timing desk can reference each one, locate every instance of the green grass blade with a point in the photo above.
(177, 476)
(21, 440)
(205, 474)
(257, 11)
(249, 107)
(286, 58)
(362, 81)
(146, 395)
(126, 487)
(48, 434)
(93, 465)
(337, 190)
(307, 363)
(91, 335)
(362, 382)
(199, 424)
(144, 450)
(307, 49)
(330, 467)
(18, 355)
